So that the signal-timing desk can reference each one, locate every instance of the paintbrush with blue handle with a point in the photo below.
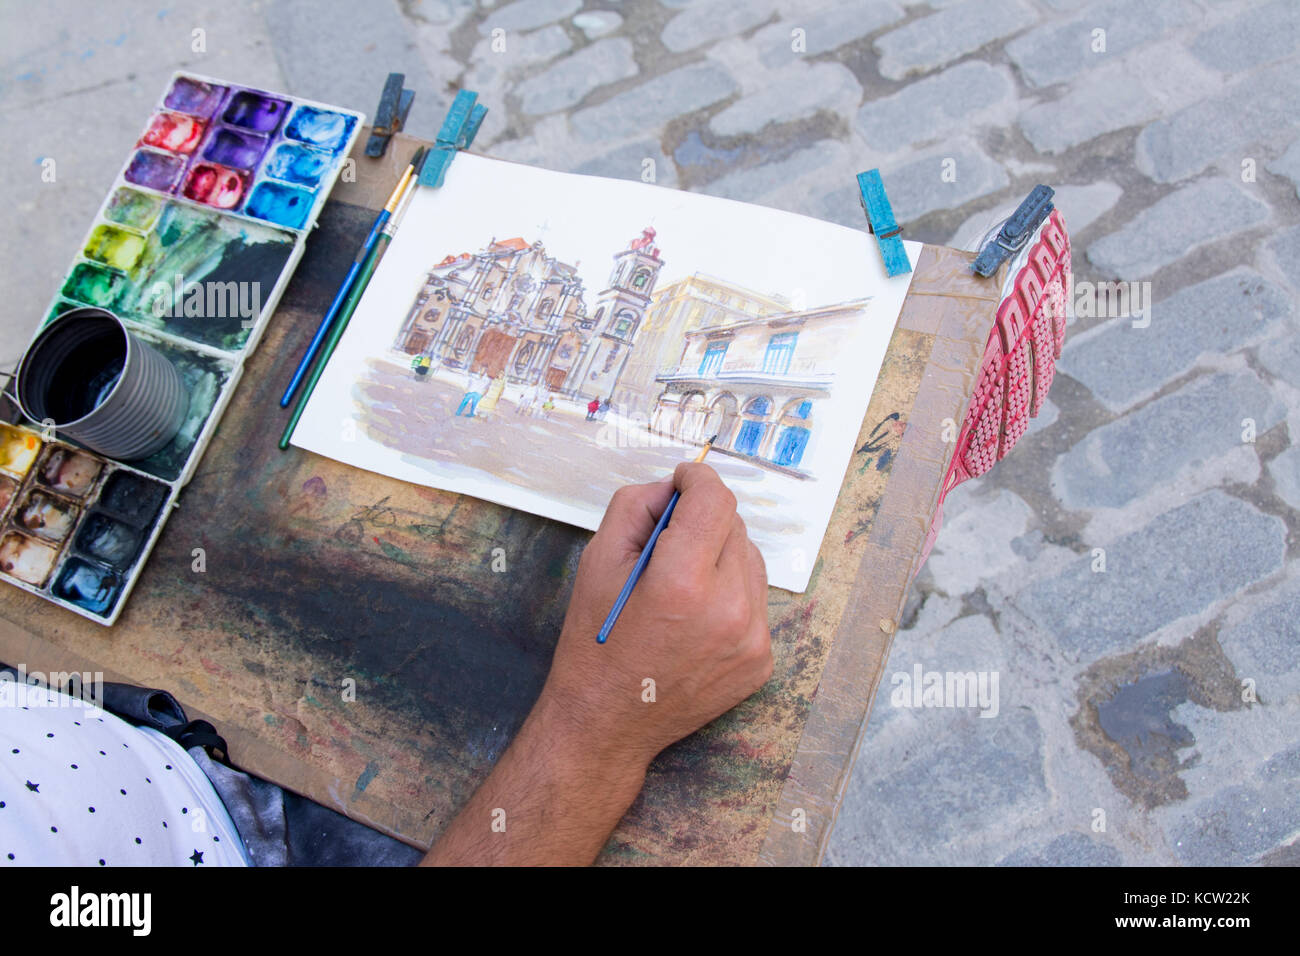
(342, 295)
(639, 568)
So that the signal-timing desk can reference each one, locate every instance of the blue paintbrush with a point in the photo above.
(639, 568)
(341, 296)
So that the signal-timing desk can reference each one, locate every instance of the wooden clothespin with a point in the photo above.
(457, 132)
(390, 118)
(880, 221)
(1015, 232)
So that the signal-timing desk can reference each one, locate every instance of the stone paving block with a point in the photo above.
(1082, 205)
(904, 812)
(528, 15)
(1239, 823)
(944, 36)
(1285, 247)
(1121, 364)
(488, 67)
(1255, 108)
(1101, 102)
(1172, 75)
(749, 184)
(711, 20)
(1281, 356)
(567, 82)
(1164, 232)
(1176, 565)
(823, 30)
(1253, 38)
(1058, 52)
(1285, 472)
(841, 204)
(645, 108)
(1127, 458)
(959, 97)
(796, 92)
(597, 23)
(628, 162)
(975, 542)
(1288, 165)
(1068, 849)
(1046, 417)
(920, 186)
(1262, 645)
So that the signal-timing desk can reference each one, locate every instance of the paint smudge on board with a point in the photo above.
(882, 444)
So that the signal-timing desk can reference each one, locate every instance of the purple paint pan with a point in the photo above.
(194, 96)
(261, 114)
(234, 147)
(155, 170)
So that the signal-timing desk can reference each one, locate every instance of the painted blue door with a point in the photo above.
(789, 449)
(749, 438)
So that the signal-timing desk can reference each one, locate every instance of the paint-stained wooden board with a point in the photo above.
(287, 580)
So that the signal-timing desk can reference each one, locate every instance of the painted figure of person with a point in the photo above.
(475, 385)
(593, 406)
(490, 398)
(548, 406)
(528, 400)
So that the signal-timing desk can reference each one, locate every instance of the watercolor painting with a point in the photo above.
(539, 339)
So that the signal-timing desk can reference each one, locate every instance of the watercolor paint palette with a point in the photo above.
(192, 248)
(74, 526)
(197, 239)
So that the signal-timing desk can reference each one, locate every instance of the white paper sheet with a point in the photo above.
(763, 325)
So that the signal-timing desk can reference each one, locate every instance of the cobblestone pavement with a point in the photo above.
(1129, 573)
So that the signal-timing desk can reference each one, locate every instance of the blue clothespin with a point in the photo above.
(880, 220)
(1015, 232)
(390, 117)
(457, 132)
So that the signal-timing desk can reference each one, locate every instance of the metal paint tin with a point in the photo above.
(94, 381)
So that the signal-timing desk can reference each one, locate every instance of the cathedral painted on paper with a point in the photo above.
(691, 358)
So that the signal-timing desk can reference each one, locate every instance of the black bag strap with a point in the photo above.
(200, 733)
(150, 707)
(143, 706)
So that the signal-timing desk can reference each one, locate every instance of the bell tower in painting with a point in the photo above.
(620, 310)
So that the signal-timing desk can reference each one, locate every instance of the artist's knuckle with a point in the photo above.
(720, 499)
(691, 593)
(734, 615)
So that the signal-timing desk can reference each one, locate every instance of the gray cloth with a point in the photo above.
(257, 807)
(280, 828)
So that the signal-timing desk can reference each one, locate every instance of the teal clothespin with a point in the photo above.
(457, 132)
(880, 220)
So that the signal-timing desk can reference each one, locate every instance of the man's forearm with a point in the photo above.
(552, 799)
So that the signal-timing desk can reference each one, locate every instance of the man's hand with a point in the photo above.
(691, 643)
(695, 624)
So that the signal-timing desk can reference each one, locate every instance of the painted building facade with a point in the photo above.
(512, 308)
(757, 383)
(509, 308)
(697, 301)
(620, 313)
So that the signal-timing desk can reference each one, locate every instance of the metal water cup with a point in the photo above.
(89, 378)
